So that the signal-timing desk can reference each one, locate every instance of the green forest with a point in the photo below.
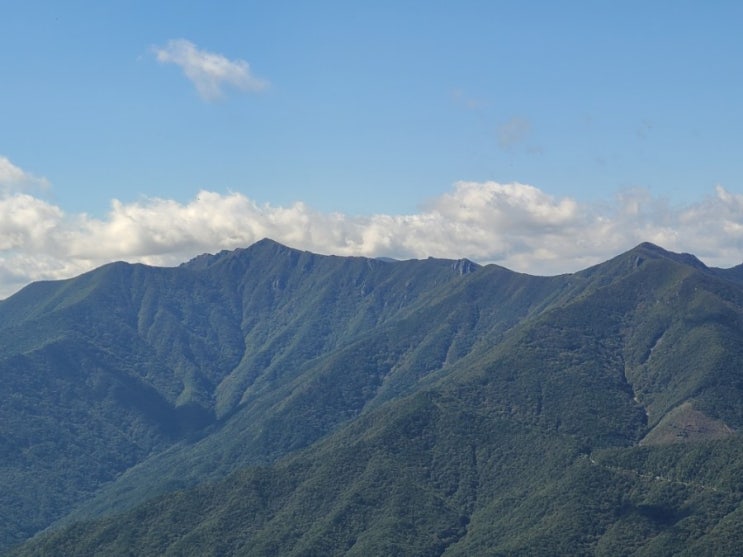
(271, 401)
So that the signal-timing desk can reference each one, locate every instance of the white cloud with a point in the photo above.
(13, 178)
(26, 222)
(208, 71)
(515, 225)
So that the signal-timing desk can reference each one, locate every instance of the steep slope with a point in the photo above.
(525, 445)
(316, 395)
(121, 363)
(681, 334)
(500, 411)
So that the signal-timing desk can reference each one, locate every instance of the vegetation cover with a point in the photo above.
(269, 401)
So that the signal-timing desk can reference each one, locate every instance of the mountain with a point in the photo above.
(272, 401)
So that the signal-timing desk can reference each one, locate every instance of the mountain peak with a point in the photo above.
(648, 249)
(269, 243)
(632, 260)
(205, 260)
(465, 266)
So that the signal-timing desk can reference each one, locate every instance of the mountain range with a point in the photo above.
(271, 401)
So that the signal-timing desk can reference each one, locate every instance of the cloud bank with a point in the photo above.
(515, 225)
(208, 71)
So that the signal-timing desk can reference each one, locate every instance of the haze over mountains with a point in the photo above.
(270, 401)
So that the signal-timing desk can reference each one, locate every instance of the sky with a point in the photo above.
(542, 136)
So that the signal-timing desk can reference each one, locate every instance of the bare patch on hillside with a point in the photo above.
(684, 424)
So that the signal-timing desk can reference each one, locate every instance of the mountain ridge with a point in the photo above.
(248, 357)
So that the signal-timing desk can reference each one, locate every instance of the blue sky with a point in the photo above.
(544, 136)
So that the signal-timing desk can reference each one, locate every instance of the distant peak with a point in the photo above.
(269, 245)
(268, 242)
(465, 266)
(205, 260)
(649, 249)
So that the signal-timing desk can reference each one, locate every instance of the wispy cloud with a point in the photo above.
(512, 132)
(471, 103)
(515, 225)
(209, 72)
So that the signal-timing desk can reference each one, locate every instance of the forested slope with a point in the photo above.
(330, 405)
